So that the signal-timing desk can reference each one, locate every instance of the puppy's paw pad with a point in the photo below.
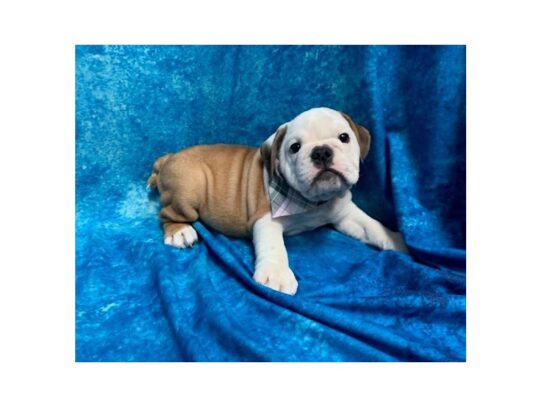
(277, 278)
(183, 238)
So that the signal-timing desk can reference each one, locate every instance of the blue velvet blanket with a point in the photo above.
(139, 300)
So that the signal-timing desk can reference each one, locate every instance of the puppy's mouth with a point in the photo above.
(328, 174)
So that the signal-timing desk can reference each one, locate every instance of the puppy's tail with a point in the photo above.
(153, 179)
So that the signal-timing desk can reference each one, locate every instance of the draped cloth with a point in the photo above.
(140, 300)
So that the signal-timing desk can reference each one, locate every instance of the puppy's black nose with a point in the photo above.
(321, 156)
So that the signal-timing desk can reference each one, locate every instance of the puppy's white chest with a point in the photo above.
(314, 218)
(302, 222)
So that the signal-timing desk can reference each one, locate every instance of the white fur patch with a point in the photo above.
(276, 277)
(311, 129)
(186, 237)
(352, 221)
(271, 258)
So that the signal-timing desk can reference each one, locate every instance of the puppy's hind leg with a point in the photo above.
(178, 231)
(180, 235)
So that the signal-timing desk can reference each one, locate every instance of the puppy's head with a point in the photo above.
(317, 153)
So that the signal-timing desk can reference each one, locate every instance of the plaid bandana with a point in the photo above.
(287, 201)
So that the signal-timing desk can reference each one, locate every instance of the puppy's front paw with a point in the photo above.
(279, 278)
(395, 241)
(183, 238)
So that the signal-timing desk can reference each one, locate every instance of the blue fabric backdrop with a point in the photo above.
(139, 300)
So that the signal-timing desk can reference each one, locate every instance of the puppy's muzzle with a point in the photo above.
(322, 156)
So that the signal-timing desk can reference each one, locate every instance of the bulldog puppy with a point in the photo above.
(298, 180)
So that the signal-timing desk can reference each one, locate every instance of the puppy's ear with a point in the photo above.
(270, 150)
(363, 136)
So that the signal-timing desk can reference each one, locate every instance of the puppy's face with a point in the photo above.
(318, 153)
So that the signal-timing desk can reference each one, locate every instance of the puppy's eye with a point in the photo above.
(345, 138)
(294, 148)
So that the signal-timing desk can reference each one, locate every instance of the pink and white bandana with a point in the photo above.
(285, 200)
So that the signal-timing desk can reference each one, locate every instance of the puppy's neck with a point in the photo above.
(286, 201)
